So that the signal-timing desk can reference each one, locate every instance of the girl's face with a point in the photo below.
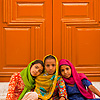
(50, 66)
(36, 69)
(65, 71)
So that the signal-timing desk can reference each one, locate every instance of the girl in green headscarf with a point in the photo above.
(24, 81)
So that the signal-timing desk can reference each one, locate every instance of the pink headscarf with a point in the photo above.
(76, 78)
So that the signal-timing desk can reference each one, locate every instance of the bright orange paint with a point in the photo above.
(30, 29)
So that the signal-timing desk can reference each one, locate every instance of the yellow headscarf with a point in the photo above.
(45, 84)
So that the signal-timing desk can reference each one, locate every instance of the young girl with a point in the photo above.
(76, 83)
(46, 82)
(24, 81)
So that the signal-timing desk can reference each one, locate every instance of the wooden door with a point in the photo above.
(76, 34)
(25, 34)
(30, 29)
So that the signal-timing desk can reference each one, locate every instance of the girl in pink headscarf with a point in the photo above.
(76, 83)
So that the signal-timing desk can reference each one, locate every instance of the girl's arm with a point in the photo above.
(94, 90)
(11, 87)
(62, 89)
(90, 86)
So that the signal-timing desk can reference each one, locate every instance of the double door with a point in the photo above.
(31, 29)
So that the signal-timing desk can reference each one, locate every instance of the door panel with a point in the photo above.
(71, 10)
(77, 28)
(22, 11)
(30, 29)
(12, 44)
(25, 34)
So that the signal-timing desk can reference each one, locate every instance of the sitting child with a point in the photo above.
(76, 83)
(49, 82)
(24, 81)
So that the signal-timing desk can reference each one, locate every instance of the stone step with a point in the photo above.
(4, 88)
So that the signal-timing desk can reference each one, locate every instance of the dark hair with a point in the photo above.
(49, 57)
(36, 62)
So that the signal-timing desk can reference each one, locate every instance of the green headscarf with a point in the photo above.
(28, 80)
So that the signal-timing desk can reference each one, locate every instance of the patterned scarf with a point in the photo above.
(45, 84)
(28, 80)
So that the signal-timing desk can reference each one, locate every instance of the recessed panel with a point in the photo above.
(75, 10)
(37, 42)
(16, 48)
(87, 46)
(30, 10)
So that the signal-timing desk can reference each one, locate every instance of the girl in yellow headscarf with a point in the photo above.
(46, 82)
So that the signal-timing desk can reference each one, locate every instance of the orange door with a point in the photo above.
(76, 34)
(30, 29)
(25, 33)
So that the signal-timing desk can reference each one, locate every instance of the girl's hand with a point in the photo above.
(30, 96)
(94, 90)
(25, 96)
(62, 98)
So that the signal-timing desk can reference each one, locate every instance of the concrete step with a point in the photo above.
(4, 88)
